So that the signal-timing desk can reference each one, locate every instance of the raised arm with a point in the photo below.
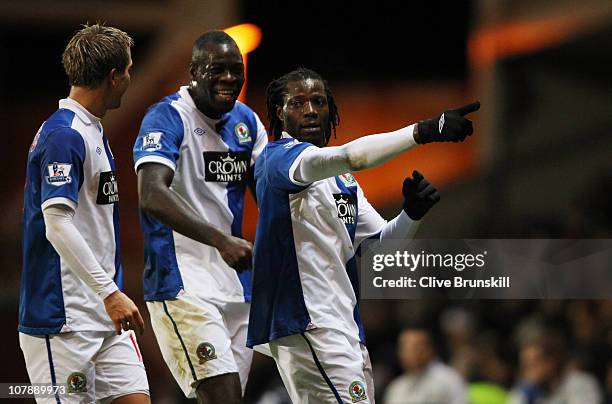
(373, 150)
(360, 154)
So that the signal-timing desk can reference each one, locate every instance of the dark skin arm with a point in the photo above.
(158, 200)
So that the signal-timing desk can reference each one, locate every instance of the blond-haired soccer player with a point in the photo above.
(75, 324)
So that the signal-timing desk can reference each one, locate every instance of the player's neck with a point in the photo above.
(91, 99)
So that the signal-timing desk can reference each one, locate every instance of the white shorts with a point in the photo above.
(324, 366)
(199, 340)
(95, 366)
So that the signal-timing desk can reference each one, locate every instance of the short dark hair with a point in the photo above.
(275, 98)
(215, 37)
(93, 52)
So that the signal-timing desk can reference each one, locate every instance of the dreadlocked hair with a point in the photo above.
(275, 97)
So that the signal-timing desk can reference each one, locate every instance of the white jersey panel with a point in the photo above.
(323, 248)
(212, 161)
(84, 308)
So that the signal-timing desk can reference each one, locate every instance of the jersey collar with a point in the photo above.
(84, 115)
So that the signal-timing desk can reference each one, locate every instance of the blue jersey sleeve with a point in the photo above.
(61, 165)
(160, 137)
(277, 161)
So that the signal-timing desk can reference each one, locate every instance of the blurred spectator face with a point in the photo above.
(459, 327)
(489, 364)
(415, 350)
(583, 321)
(537, 367)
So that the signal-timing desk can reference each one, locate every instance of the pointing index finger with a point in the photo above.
(466, 109)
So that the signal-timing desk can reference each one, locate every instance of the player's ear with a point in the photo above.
(112, 77)
(192, 71)
(279, 113)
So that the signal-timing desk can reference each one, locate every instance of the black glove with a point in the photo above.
(451, 126)
(419, 196)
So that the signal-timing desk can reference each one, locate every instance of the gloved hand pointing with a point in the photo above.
(451, 126)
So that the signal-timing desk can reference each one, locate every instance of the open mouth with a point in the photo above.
(229, 95)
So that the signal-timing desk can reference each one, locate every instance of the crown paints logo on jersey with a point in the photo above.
(346, 208)
(348, 180)
(151, 141)
(108, 190)
(59, 174)
(225, 166)
(242, 132)
(199, 131)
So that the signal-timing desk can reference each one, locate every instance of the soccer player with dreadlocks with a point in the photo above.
(312, 218)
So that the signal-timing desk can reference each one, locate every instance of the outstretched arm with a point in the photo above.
(365, 152)
(158, 200)
(373, 150)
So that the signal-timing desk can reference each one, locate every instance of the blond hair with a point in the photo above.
(93, 52)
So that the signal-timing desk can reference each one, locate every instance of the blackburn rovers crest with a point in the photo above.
(77, 382)
(206, 352)
(357, 391)
(348, 180)
(242, 132)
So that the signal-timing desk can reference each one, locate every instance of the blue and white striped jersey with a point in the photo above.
(69, 163)
(212, 161)
(305, 274)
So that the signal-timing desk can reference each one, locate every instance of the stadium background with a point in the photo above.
(537, 167)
